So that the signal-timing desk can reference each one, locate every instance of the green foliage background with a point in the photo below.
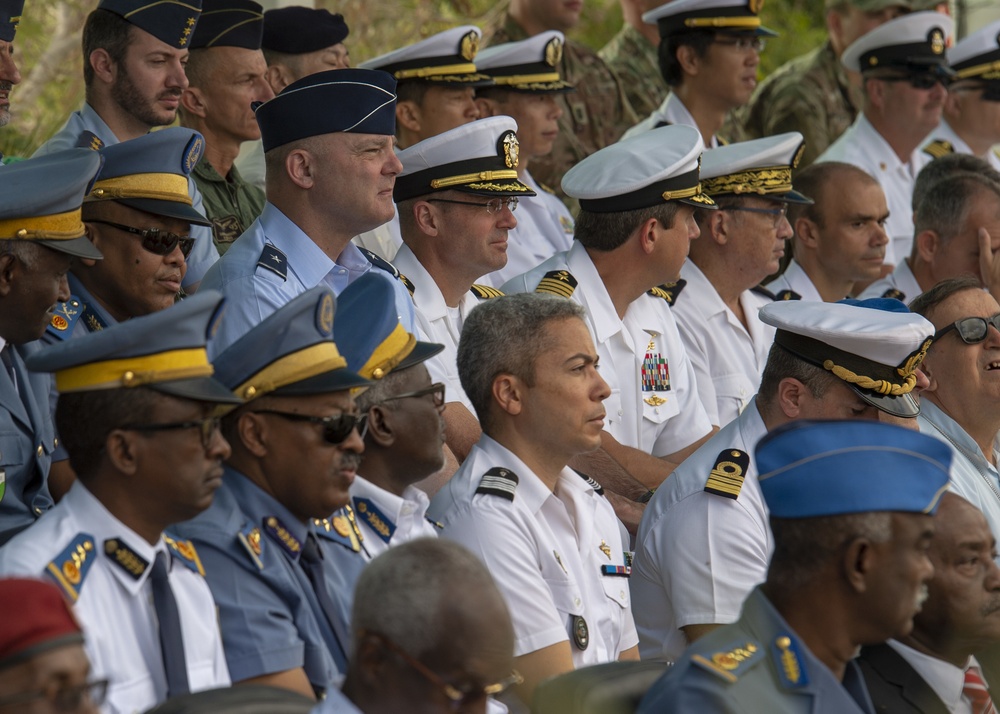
(48, 46)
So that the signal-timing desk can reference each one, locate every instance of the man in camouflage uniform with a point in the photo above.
(813, 94)
(631, 54)
(595, 115)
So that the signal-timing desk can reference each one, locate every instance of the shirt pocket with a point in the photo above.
(736, 389)
(657, 407)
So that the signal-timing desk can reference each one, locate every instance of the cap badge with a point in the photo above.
(755, 6)
(470, 46)
(510, 148)
(798, 155)
(324, 315)
(192, 154)
(936, 38)
(553, 52)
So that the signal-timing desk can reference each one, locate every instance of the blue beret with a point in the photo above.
(369, 333)
(297, 30)
(40, 200)
(150, 173)
(170, 21)
(829, 468)
(229, 23)
(165, 351)
(290, 353)
(10, 16)
(360, 101)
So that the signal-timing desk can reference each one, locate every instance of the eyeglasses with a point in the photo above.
(208, 427)
(494, 205)
(778, 213)
(459, 697)
(64, 699)
(336, 429)
(437, 389)
(743, 44)
(921, 80)
(972, 330)
(155, 240)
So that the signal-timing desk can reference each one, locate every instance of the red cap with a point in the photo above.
(43, 620)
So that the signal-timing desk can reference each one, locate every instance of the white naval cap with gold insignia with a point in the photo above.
(761, 167)
(977, 57)
(641, 171)
(479, 157)
(914, 43)
(445, 58)
(531, 65)
(680, 16)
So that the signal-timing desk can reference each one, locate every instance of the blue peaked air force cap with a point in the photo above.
(10, 17)
(297, 30)
(360, 101)
(290, 353)
(818, 468)
(164, 351)
(369, 332)
(170, 21)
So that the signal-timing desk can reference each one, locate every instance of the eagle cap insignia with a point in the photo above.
(553, 52)
(755, 6)
(509, 148)
(936, 38)
(469, 47)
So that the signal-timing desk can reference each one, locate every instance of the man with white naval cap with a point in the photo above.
(904, 71)
(848, 360)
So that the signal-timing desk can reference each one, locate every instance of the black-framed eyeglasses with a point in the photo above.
(778, 213)
(971, 330)
(741, 43)
(459, 696)
(437, 389)
(336, 428)
(64, 699)
(207, 426)
(920, 80)
(494, 205)
(155, 240)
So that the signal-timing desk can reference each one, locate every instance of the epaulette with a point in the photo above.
(722, 142)
(895, 294)
(726, 477)
(784, 295)
(380, 262)
(274, 260)
(69, 569)
(499, 481)
(996, 152)
(547, 189)
(557, 282)
(437, 524)
(125, 558)
(591, 482)
(408, 284)
(789, 662)
(939, 148)
(375, 518)
(668, 291)
(64, 317)
(731, 662)
(341, 528)
(282, 536)
(485, 292)
(761, 290)
(88, 140)
(185, 552)
(661, 123)
(249, 538)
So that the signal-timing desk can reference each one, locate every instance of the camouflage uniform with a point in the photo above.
(594, 116)
(809, 94)
(633, 58)
(232, 205)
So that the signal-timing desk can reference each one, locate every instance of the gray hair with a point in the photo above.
(381, 390)
(26, 251)
(505, 335)
(927, 301)
(945, 167)
(948, 202)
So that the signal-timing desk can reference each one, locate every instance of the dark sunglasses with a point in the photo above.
(155, 240)
(920, 80)
(336, 429)
(972, 330)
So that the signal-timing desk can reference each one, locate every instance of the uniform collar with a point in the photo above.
(951, 428)
(673, 111)
(305, 259)
(800, 282)
(879, 152)
(427, 297)
(603, 317)
(701, 290)
(97, 125)
(84, 295)
(260, 506)
(206, 171)
(390, 504)
(944, 678)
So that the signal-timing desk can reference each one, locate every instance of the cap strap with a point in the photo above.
(295, 367)
(771, 179)
(911, 363)
(526, 78)
(470, 178)
(682, 193)
(135, 371)
(977, 70)
(393, 350)
(881, 386)
(422, 72)
(58, 226)
(165, 187)
(741, 22)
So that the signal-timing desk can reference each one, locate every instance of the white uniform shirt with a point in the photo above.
(944, 132)
(945, 679)
(728, 360)
(672, 111)
(436, 324)
(115, 607)
(250, 163)
(657, 421)
(698, 555)
(795, 279)
(862, 146)
(547, 553)
(901, 279)
(385, 240)
(386, 520)
(544, 228)
(972, 477)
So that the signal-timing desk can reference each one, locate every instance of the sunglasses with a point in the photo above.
(972, 330)
(207, 426)
(154, 240)
(336, 429)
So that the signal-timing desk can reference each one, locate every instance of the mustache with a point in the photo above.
(350, 460)
(6, 86)
(922, 596)
(989, 608)
(173, 92)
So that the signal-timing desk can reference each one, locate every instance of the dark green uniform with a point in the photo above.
(633, 58)
(232, 205)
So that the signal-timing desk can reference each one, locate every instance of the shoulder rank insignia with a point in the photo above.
(592, 483)
(761, 290)
(274, 260)
(894, 293)
(499, 481)
(340, 528)
(64, 317)
(787, 295)
(88, 140)
(408, 284)
(184, 551)
(557, 282)
(375, 518)
(282, 536)
(69, 568)
(249, 538)
(722, 141)
(726, 477)
(668, 291)
(125, 558)
(939, 148)
(437, 524)
(380, 262)
(547, 189)
(789, 662)
(732, 661)
(485, 292)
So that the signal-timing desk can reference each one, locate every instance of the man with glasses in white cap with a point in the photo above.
(905, 72)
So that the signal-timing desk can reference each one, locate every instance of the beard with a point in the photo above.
(129, 97)
(5, 113)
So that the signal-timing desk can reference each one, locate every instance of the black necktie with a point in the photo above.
(312, 562)
(171, 641)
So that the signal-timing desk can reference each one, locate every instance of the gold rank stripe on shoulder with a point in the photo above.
(69, 568)
(408, 283)
(939, 148)
(732, 661)
(726, 477)
(485, 292)
(557, 282)
(185, 550)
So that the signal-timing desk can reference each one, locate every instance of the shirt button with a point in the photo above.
(39, 450)
(621, 412)
(622, 594)
(577, 601)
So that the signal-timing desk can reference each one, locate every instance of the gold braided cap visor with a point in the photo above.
(762, 181)
(58, 226)
(295, 367)
(393, 350)
(136, 371)
(163, 187)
